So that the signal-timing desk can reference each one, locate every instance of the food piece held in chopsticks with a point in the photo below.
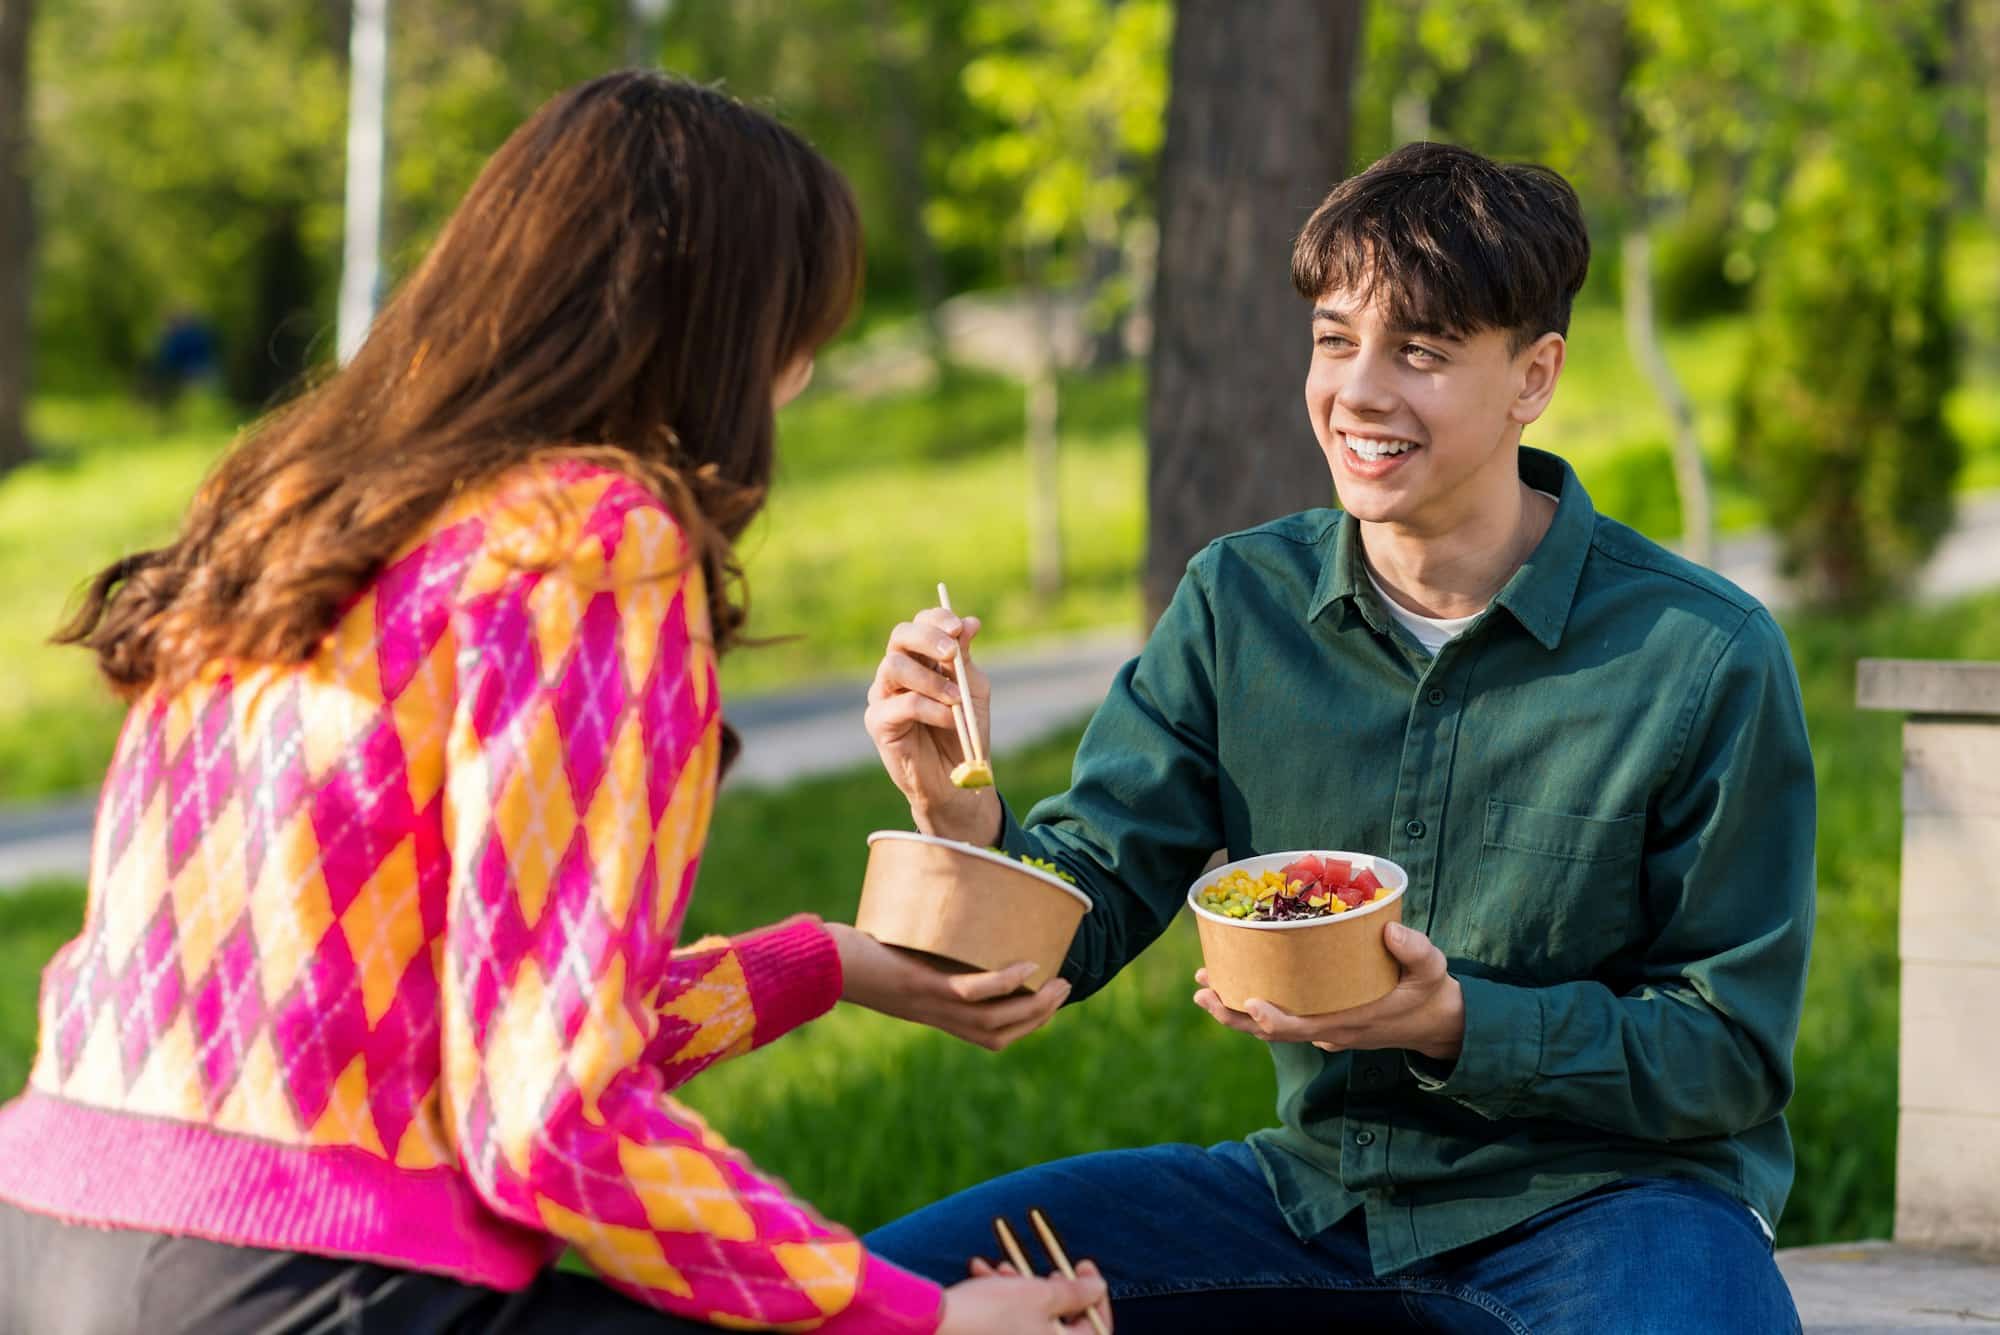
(973, 771)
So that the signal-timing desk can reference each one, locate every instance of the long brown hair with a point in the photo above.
(628, 276)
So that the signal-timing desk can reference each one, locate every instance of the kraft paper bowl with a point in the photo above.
(1308, 966)
(966, 905)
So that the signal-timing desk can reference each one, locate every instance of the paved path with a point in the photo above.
(1876, 1288)
(817, 729)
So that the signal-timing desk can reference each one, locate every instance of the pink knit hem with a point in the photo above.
(792, 971)
(86, 1165)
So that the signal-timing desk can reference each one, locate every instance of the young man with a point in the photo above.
(1589, 754)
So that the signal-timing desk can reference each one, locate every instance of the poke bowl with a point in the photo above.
(1301, 930)
(967, 907)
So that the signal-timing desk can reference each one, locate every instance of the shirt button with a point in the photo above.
(1364, 1137)
(1415, 829)
(1436, 696)
(1368, 1075)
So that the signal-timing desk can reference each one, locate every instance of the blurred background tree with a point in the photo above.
(189, 160)
(16, 247)
(1257, 132)
(1059, 183)
(1841, 404)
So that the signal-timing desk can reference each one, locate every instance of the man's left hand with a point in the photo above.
(1425, 1012)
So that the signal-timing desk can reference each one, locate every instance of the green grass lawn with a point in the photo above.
(869, 1118)
(877, 499)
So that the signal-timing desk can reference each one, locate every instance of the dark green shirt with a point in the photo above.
(1604, 797)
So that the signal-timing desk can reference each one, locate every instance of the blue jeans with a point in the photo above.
(1191, 1240)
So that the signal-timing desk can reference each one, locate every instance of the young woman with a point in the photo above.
(377, 1003)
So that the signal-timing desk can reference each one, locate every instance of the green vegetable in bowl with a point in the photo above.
(1039, 864)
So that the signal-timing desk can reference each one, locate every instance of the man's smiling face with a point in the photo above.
(1419, 425)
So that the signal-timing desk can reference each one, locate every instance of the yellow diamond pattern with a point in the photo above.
(684, 1191)
(384, 928)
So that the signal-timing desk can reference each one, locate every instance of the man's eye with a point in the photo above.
(1330, 341)
(1417, 352)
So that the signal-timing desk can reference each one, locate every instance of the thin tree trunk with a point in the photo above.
(1257, 133)
(1985, 23)
(1045, 545)
(16, 230)
(1642, 337)
(908, 189)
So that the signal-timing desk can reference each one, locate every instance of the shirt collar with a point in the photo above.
(1540, 592)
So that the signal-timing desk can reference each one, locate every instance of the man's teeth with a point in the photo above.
(1378, 449)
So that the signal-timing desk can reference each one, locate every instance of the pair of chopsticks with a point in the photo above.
(961, 714)
(1012, 1246)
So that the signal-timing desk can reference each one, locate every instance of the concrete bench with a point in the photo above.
(1942, 1272)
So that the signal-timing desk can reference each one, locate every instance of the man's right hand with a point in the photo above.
(1002, 1303)
(909, 720)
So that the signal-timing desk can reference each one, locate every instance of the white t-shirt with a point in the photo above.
(1433, 633)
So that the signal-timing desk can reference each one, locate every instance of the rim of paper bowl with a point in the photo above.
(1278, 860)
(1048, 877)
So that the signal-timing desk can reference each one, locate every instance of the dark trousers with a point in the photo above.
(64, 1279)
(1191, 1242)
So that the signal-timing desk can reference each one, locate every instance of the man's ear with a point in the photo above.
(1538, 365)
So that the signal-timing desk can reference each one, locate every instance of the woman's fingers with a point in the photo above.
(987, 986)
(999, 1017)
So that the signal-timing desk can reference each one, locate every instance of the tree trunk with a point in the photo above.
(1045, 547)
(1642, 338)
(908, 183)
(1257, 132)
(1986, 29)
(16, 225)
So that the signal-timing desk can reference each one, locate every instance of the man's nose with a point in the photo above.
(1366, 389)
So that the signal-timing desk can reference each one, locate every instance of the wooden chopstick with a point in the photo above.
(1056, 1254)
(1010, 1245)
(967, 721)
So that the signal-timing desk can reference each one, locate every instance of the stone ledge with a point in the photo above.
(1928, 686)
(1876, 1288)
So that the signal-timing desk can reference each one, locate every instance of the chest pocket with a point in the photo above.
(1555, 894)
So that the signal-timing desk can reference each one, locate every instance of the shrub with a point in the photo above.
(1840, 410)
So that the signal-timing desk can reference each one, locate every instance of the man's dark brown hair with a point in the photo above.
(1455, 243)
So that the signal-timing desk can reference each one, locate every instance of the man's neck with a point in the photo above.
(1455, 572)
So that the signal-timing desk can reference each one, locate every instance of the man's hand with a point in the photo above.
(909, 720)
(988, 1009)
(1425, 1013)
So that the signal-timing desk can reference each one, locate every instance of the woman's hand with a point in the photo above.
(1425, 1012)
(998, 1300)
(984, 1008)
(909, 720)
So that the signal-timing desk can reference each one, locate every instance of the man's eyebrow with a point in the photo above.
(1434, 331)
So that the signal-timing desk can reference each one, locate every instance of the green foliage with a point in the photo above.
(1841, 422)
(33, 922)
(869, 1118)
(1693, 268)
(1074, 92)
(169, 138)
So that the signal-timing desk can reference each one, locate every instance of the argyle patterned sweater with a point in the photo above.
(380, 953)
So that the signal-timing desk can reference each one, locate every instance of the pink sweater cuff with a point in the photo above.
(793, 973)
(888, 1301)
